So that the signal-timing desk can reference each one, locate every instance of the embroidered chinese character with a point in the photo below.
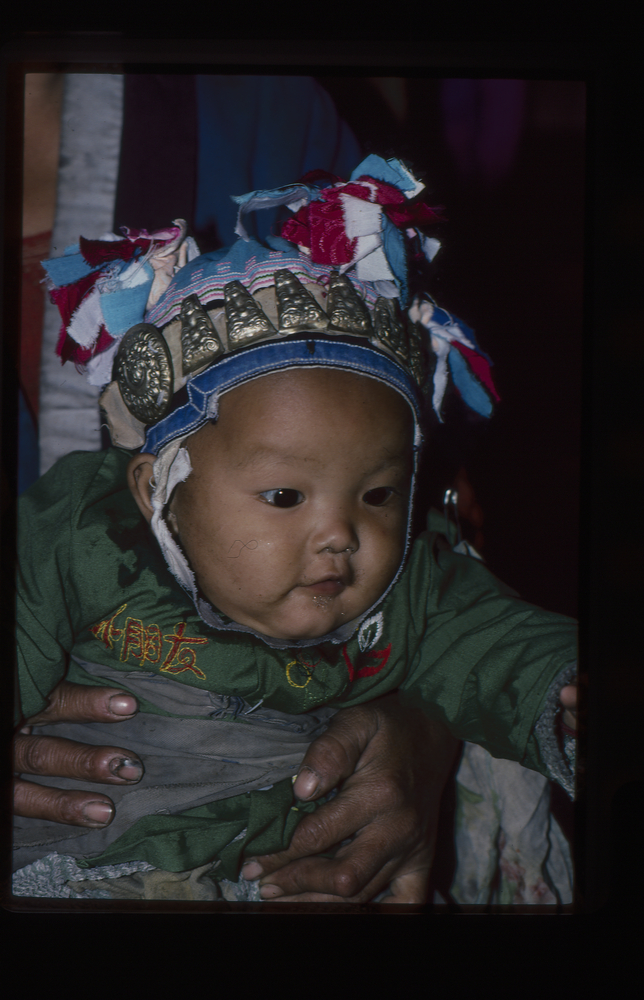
(141, 642)
(106, 631)
(181, 656)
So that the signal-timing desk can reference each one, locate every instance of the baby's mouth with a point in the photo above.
(328, 586)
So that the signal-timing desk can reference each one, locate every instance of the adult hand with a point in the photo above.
(393, 763)
(49, 755)
(568, 700)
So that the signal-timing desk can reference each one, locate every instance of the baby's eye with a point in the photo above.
(282, 498)
(379, 496)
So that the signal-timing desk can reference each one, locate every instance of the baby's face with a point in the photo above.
(294, 516)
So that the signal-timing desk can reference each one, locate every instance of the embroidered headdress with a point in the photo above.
(168, 331)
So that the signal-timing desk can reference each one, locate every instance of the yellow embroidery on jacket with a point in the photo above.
(301, 669)
(180, 651)
(106, 631)
(141, 642)
(144, 643)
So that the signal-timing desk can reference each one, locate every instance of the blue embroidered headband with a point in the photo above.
(168, 331)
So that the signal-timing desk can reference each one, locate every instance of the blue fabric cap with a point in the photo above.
(276, 355)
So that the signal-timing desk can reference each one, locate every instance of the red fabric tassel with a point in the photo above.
(329, 241)
(297, 229)
(479, 366)
(102, 251)
(69, 350)
(320, 227)
(385, 193)
(411, 216)
(69, 297)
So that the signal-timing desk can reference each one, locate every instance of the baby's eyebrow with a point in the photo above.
(266, 454)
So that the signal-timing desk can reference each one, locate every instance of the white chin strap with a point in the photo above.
(172, 466)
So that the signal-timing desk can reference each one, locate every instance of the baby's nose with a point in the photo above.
(337, 535)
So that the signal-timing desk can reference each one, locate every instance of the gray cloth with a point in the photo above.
(561, 765)
(90, 145)
(188, 761)
(60, 877)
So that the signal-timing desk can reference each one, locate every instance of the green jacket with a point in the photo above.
(92, 583)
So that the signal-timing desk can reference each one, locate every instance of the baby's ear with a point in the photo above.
(139, 475)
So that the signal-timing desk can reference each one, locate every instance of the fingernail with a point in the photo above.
(306, 782)
(251, 870)
(270, 891)
(99, 813)
(127, 768)
(123, 704)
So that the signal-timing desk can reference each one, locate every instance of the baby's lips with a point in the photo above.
(328, 588)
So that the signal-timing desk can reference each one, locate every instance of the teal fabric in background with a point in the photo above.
(258, 132)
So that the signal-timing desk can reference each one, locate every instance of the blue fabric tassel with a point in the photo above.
(394, 247)
(387, 171)
(68, 269)
(473, 393)
(125, 307)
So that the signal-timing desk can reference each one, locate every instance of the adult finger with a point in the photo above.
(387, 846)
(568, 696)
(316, 832)
(330, 759)
(333, 756)
(61, 758)
(81, 703)
(353, 875)
(411, 887)
(75, 808)
(390, 802)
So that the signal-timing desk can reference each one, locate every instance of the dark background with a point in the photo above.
(507, 161)
(606, 53)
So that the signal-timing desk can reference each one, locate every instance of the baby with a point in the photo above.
(294, 515)
(278, 423)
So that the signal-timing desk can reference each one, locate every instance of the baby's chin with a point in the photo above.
(300, 631)
(301, 616)
(306, 625)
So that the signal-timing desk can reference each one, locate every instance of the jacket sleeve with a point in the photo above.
(485, 661)
(44, 618)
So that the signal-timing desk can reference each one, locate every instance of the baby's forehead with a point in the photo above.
(263, 417)
(317, 385)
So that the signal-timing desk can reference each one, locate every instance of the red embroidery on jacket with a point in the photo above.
(141, 642)
(144, 643)
(382, 655)
(106, 631)
(180, 651)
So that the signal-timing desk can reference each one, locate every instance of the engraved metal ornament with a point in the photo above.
(245, 319)
(297, 310)
(143, 370)
(346, 310)
(200, 343)
(390, 328)
(417, 358)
